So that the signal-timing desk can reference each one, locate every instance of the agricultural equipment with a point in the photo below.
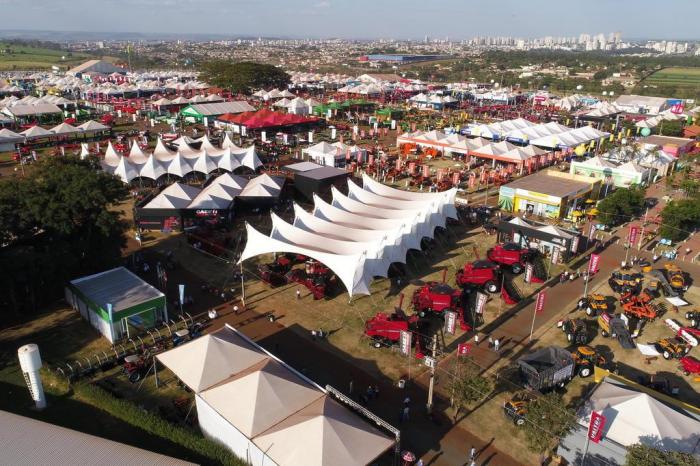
(639, 306)
(385, 329)
(480, 273)
(672, 348)
(511, 255)
(516, 407)
(585, 358)
(316, 277)
(690, 365)
(665, 286)
(594, 304)
(547, 368)
(274, 273)
(624, 283)
(614, 327)
(694, 318)
(675, 277)
(134, 368)
(437, 298)
(575, 329)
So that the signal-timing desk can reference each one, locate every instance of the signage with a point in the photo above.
(429, 362)
(405, 342)
(181, 289)
(574, 244)
(539, 303)
(529, 269)
(634, 234)
(206, 212)
(555, 255)
(593, 263)
(481, 299)
(463, 349)
(450, 322)
(595, 428)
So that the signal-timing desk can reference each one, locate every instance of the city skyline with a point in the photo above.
(360, 19)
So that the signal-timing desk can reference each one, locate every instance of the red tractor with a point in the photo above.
(316, 277)
(385, 329)
(690, 365)
(510, 255)
(274, 273)
(437, 298)
(481, 273)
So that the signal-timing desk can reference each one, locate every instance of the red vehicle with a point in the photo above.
(510, 255)
(107, 119)
(274, 273)
(437, 298)
(385, 329)
(481, 273)
(690, 365)
(316, 277)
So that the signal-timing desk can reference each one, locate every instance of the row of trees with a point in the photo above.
(244, 77)
(56, 223)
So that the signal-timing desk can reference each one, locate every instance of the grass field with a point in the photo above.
(20, 57)
(679, 77)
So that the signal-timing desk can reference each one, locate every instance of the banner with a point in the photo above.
(529, 269)
(539, 303)
(595, 428)
(634, 234)
(555, 255)
(593, 263)
(481, 299)
(450, 322)
(181, 288)
(463, 349)
(405, 342)
(590, 232)
(574, 244)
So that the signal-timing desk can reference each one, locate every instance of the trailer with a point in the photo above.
(547, 368)
(666, 287)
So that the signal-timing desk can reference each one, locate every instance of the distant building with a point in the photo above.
(400, 59)
(95, 66)
(642, 104)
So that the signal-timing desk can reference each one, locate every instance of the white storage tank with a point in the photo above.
(30, 362)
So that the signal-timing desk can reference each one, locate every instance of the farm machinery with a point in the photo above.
(676, 277)
(482, 274)
(624, 283)
(553, 366)
(576, 330)
(511, 255)
(385, 329)
(135, 367)
(694, 318)
(274, 273)
(672, 348)
(316, 277)
(639, 306)
(516, 407)
(614, 327)
(437, 298)
(690, 365)
(594, 304)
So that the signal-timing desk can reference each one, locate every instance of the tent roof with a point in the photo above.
(323, 433)
(260, 397)
(92, 125)
(175, 196)
(36, 132)
(211, 359)
(65, 128)
(119, 287)
(10, 136)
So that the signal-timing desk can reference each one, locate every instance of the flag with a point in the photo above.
(463, 349)
(539, 303)
(595, 428)
(405, 338)
(593, 263)
(634, 233)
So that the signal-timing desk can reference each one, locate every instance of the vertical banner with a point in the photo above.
(574, 244)
(555, 255)
(463, 349)
(634, 234)
(593, 263)
(590, 232)
(405, 342)
(181, 289)
(529, 269)
(539, 304)
(450, 322)
(481, 299)
(595, 428)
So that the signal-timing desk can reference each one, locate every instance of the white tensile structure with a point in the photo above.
(186, 159)
(359, 235)
(266, 412)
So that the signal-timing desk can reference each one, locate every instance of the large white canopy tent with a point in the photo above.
(393, 221)
(265, 411)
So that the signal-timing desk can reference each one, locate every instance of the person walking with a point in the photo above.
(472, 454)
(298, 294)
(476, 339)
(496, 344)
(490, 341)
(404, 416)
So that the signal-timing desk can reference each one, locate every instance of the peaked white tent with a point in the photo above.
(151, 168)
(324, 153)
(36, 132)
(391, 222)
(175, 196)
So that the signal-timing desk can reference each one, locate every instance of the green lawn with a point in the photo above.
(686, 77)
(19, 57)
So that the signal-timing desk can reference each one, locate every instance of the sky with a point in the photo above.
(361, 19)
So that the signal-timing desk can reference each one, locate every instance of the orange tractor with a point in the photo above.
(640, 306)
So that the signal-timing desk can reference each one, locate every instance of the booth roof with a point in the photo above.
(543, 183)
(119, 287)
(323, 173)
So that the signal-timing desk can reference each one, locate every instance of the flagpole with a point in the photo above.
(532, 328)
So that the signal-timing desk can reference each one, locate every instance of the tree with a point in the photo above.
(644, 455)
(547, 420)
(244, 76)
(621, 205)
(678, 218)
(671, 128)
(468, 386)
(56, 223)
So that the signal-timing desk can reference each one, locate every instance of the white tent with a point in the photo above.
(175, 196)
(204, 163)
(324, 153)
(126, 170)
(151, 168)
(161, 152)
(136, 155)
(178, 166)
(263, 186)
(391, 226)
(36, 132)
(92, 126)
(65, 128)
